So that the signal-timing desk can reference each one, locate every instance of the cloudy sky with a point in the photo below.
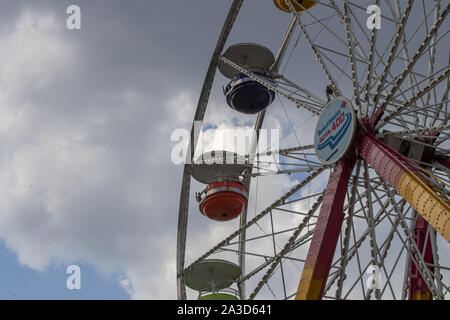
(88, 114)
(86, 122)
(85, 131)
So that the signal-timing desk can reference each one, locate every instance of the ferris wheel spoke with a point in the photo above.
(421, 111)
(275, 252)
(413, 60)
(296, 156)
(334, 64)
(352, 43)
(290, 202)
(432, 51)
(266, 172)
(351, 253)
(286, 247)
(371, 223)
(313, 48)
(351, 34)
(417, 132)
(358, 260)
(253, 221)
(420, 94)
(269, 260)
(362, 271)
(400, 121)
(369, 60)
(416, 84)
(412, 75)
(376, 256)
(349, 221)
(389, 276)
(313, 99)
(417, 257)
(290, 90)
(266, 235)
(356, 5)
(286, 151)
(351, 46)
(443, 101)
(436, 267)
(288, 95)
(322, 49)
(386, 246)
(324, 26)
(284, 44)
(442, 118)
(382, 212)
(391, 57)
(370, 69)
(426, 110)
(372, 49)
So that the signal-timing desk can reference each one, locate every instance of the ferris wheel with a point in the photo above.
(365, 213)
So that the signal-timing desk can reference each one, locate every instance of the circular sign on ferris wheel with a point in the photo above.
(335, 130)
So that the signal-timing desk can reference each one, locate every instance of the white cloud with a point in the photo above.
(86, 175)
(81, 188)
(97, 185)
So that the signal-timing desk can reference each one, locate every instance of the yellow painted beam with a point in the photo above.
(422, 295)
(308, 288)
(435, 209)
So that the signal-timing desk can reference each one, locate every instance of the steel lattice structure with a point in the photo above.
(386, 202)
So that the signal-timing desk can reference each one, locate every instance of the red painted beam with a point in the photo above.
(418, 289)
(326, 233)
(408, 181)
(444, 160)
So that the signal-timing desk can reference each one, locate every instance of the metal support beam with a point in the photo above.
(418, 289)
(326, 234)
(408, 182)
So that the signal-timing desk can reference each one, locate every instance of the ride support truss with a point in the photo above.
(407, 180)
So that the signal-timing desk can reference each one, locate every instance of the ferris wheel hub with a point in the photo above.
(411, 149)
(335, 130)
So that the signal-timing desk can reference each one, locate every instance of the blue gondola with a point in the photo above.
(247, 95)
